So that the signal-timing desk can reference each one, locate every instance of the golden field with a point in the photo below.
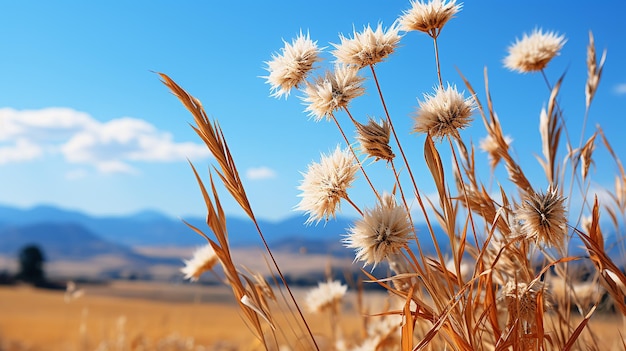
(131, 316)
(161, 316)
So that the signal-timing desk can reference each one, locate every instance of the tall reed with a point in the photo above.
(504, 277)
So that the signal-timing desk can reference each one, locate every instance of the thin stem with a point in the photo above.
(437, 61)
(284, 281)
(354, 205)
(573, 179)
(354, 153)
(582, 132)
(408, 210)
(458, 168)
(408, 168)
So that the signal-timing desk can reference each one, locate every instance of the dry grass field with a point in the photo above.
(130, 316)
(157, 316)
(502, 278)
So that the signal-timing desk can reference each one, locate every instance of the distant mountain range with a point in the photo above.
(150, 228)
(112, 243)
(72, 236)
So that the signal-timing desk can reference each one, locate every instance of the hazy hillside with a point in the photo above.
(156, 229)
(150, 244)
(151, 228)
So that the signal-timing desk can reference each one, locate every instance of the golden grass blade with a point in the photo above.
(433, 161)
(594, 71)
(539, 315)
(409, 323)
(491, 306)
(586, 154)
(443, 319)
(612, 276)
(213, 137)
(248, 302)
(579, 329)
(494, 129)
(550, 134)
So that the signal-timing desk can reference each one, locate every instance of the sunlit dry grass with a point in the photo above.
(133, 316)
(507, 281)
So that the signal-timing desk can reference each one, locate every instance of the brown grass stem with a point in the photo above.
(408, 167)
(465, 195)
(213, 137)
(407, 207)
(355, 206)
(284, 281)
(356, 158)
(437, 61)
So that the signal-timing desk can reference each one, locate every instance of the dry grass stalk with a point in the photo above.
(594, 71)
(213, 137)
(374, 140)
(491, 289)
(550, 131)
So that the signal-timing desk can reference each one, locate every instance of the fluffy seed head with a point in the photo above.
(429, 17)
(382, 231)
(332, 92)
(521, 300)
(533, 52)
(444, 113)
(289, 69)
(491, 146)
(325, 296)
(367, 47)
(374, 139)
(543, 218)
(326, 183)
(203, 259)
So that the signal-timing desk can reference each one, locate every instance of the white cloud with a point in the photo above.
(110, 147)
(45, 125)
(21, 150)
(620, 89)
(259, 173)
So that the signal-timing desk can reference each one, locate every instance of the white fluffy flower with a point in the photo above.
(533, 52)
(204, 258)
(325, 295)
(289, 69)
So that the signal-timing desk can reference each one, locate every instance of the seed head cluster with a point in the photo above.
(533, 52)
(290, 68)
(429, 17)
(494, 148)
(543, 218)
(521, 300)
(326, 183)
(444, 113)
(367, 47)
(374, 139)
(381, 231)
(203, 259)
(332, 92)
(325, 296)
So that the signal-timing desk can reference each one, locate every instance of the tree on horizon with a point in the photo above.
(31, 265)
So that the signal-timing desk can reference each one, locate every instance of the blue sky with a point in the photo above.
(85, 123)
